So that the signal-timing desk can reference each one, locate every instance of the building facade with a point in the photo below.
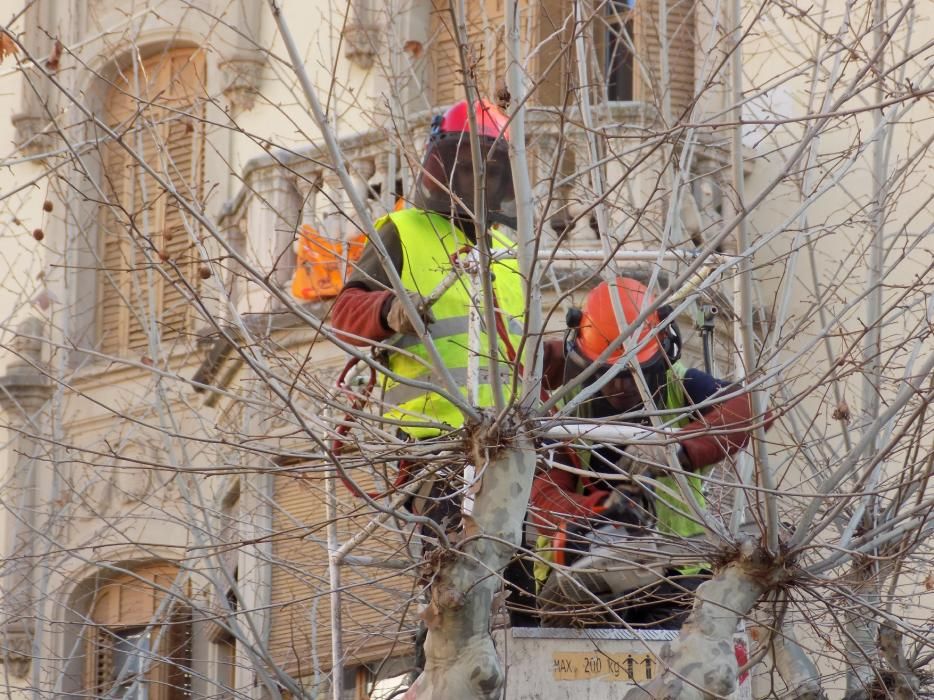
(165, 498)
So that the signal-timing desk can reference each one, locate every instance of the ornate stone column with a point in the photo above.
(24, 390)
(308, 188)
(578, 195)
(334, 209)
(271, 214)
(338, 215)
(362, 34)
(242, 60)
(33, 116)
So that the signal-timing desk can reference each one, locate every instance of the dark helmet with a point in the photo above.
(447, 171)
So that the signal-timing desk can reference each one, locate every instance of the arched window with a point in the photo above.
(138, 639)
(147, 253)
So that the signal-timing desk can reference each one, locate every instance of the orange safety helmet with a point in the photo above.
(595, 328)
(448, 167)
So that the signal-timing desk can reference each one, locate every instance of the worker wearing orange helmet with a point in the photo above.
(564, 502)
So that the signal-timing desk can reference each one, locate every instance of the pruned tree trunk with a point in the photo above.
(701, 663)
(861, 634)
(461, 662)
(905, 682)
(801, 677)
(779, 643)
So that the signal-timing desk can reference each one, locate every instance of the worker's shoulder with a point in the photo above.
(501, 239)
(699, 385)
(402, 218)
(388, 233)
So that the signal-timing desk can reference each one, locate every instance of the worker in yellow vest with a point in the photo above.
(421, 242)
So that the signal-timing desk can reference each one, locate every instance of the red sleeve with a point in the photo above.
(721, 431)
(356, 312)
(555, 499)
(553, 364)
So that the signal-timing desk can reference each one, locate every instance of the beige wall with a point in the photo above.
(127, 409)
(120, 463)
(839, 224)
(20, 213)
(20, 255)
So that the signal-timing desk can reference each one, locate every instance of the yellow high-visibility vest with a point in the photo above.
(428, 242)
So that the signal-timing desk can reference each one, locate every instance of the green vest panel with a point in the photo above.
(674, 516)
(428, 242)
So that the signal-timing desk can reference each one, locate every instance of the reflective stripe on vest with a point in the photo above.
(453, 326)
(428, 241)
(404, 394)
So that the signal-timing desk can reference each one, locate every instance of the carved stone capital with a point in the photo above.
(241, 83)
(26, 384)
(362, 42)
(306, 187)
(31, 138)
(17, 648)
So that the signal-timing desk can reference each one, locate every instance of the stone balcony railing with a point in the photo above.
(283, 190)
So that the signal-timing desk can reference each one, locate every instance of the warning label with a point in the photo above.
(580, 666)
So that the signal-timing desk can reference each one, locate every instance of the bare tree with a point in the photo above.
(198, 501)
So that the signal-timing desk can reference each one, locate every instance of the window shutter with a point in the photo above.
(127, 606)
(446, 76)
(147, 254)
(552, 34)
(144, 284)
(178, 248)
(374, 627)
(100, 667)
(486, 39)
(185, 170)
(178, 654)
(494, 46)
(114, 248)
(680, 32)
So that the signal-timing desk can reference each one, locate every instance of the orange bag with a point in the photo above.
(323, 263)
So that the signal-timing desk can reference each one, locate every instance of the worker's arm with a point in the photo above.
(361, 308)
(555, 497)
(358, 315)
(555, 500)
(716, 432)
(720, 430)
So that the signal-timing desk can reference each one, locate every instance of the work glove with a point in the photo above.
(617, 511)
(398, 321)
(647, 460)
(621, 508)
(580, 538)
